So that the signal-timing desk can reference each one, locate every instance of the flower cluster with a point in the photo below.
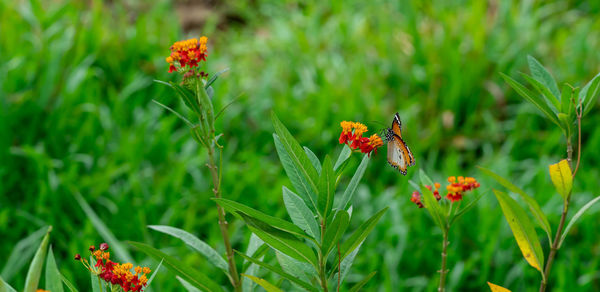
(352, 136)
(188, 53)
(456, 189)
(416, 196)
(113, 273)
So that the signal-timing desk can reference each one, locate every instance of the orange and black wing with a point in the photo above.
(398, 154)
(397, 125)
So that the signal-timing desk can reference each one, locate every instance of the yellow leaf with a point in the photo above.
(496, 288)
(561, 176)
(263, 283)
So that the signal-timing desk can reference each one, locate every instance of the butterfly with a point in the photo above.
(398, 153)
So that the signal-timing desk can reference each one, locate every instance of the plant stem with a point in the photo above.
(322, 260)
(554, 247)
(443, 271)
(234, 277)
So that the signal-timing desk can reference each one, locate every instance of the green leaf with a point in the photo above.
(589, 94)
(280, 240)
(194, 277)
(430, 202)
(22, 252)
(197, 244)
(314, 160)
(544, 91)
(575, 218)
(297, 155)
(360, 234)
(360, 284)
(115, 245)
(536, 100)
(53, 279)
(235, 207)
(301, 270)
(351, 189)
(189, 287)
(334, 231)
(566, 99)
(214, 78)
(180, 116)
(561, 176)
(534, 208)
(97, 285)
(298, 180)
(263, 283)
(522, 230)
(343, 157)
(4, 287)
(345, 265)
(206, 103)
(280, 272)
(542, 75)
(300, 214)
(326, 188)
(255, 249)
(153, 274)
(68, 284)
(185, 94)
(465, 209)
(35, 268)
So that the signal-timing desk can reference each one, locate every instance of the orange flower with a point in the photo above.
(188, 53)
(456, 188)
(352, 136)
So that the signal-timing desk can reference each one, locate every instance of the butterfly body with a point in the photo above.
(399, 155)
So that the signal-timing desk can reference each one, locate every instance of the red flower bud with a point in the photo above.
(103, 246)
(77, 257)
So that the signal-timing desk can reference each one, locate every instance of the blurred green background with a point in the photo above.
(76, 116)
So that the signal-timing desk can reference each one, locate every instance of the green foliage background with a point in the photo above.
(76, 117)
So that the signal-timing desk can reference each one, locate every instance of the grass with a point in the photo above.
(76, 117)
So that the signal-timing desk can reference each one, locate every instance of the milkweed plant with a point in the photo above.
(313, 249)
(565, 109)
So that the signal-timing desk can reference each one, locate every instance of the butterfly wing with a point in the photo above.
(398, 155)
(397, 125)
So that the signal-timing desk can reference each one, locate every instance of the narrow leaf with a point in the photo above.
(214, 78)
(314, 160)
(104, 231)
(522, 230)
(562, 178)
(534, 207)
(4, 287)
(22, 253)
(263, 283)
(531, 97)
(35, 268)
(334, 231)
(280, 240)
(565, 99)
(555, 104)
(180, 116)
(326, 188)
(53, 279)
(189, 287)
(496, 288)
(97, 285)
(194, 277)
(542, 75)
(280, 272)
(351, 189)
(195, 243)
(344, 155)
(296, 153)
(236, 208)
(255, 244)
(589, 94)
(300, 214)
(575, 218)
(298, 180)
(431, 203)
(68, 284)
(360, 234)
(301, 270)
(364, 281)
(153, 274)
(465, 209)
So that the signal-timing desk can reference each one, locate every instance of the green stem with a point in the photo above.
(234, 277)
(322, 260)
(443, 271)
(100, 283)
(554, 247)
